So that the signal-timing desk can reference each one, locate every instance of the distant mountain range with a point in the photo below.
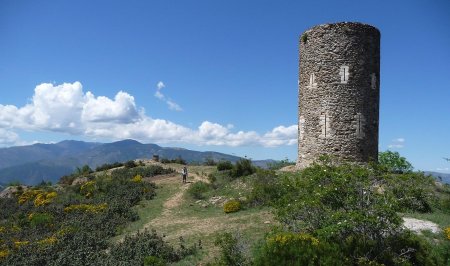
(444, 178)
(34, 163)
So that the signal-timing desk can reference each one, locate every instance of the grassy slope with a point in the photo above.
(175, 214)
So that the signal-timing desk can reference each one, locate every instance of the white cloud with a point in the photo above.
(281, 136)
(8, 138)
(160, 85)
(397, 143)
(66, 108)
(170, 103)
(159, 95)
(173, 105)
(102, 109)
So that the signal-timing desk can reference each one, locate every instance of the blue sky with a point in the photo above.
(210, 75)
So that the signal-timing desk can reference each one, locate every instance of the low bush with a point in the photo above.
(154, 261)
(265, 188)
(224, 165)
(130, 164)
(243, 167)
(231, 206)
(287, 248)
(232, 250)
(144, 171)
(197, 190)
(107, 166)
(220, 179)
(40, 219)
(137, 179)
(177, 160)
(136, 250)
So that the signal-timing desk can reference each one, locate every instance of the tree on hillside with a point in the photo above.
(393, 162)
(85, 170)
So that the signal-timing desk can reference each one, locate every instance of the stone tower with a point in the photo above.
(339, 93)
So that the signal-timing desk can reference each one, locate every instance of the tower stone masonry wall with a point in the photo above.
(339, 93)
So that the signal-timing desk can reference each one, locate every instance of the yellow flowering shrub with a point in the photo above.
(44, 198)
(3, 253)
(2, 229)
(28, 195)
(64, 231)
(137, 179)
(18, 244)
(40, 197)
(231, 206)
(15, 228)
(283, 239)
(447, 232)
(288, 248)
(47, 241)
(92, 208)
(88, 188)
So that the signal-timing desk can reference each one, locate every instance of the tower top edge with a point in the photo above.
(342, 25)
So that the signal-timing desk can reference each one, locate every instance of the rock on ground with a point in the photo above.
(417, 225)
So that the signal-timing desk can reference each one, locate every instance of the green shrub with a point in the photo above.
(232, 250)
(83, 171)
(198, 189)
(393, 162)
(224, 165)
(304, 37)
(130, 164)
(154, 261)
(243, 167)
(344, 205)
(40, 219)
(287, 248)
(136, 249)
(144, 171)
(107, 166)
(178, 160)
(265, 188)
(412, 191)
(231, 206)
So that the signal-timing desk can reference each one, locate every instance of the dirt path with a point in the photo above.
(176, 200)
(183, 217)
(186, 226)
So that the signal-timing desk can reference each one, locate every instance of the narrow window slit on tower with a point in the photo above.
(359, 124)
(325, 123)
(345, 74)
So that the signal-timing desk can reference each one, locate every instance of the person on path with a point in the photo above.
(184, 173)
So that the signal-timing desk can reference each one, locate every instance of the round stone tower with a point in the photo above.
(339, 93)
